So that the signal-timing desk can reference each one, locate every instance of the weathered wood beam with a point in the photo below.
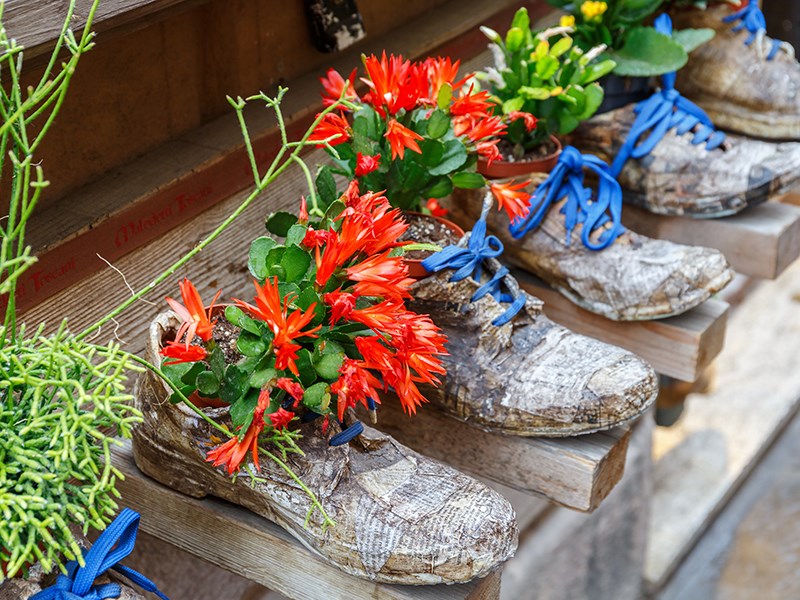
(761, 241)
(577, 472)
(244, 543)
(680, 346)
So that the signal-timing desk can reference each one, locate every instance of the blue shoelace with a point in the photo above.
(663, 111)
(566, 180)
(468, 262)
(751, 18)
(113, 545)
(347, 434)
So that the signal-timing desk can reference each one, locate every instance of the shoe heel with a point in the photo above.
(168, 468)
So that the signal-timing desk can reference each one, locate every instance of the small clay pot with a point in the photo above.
(415, 268)
(503, 169)
(621, 91)
(203, 402)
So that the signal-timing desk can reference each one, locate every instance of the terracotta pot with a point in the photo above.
(202, 402)
(502, 169)
(621, 91)
(415, 268)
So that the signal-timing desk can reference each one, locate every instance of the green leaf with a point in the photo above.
(274, 267)
(513, 104)
(176, 372)
(234, 384)
(236, 316)
(296, 234)
(468, 181)
(328, 365)
(315, 396)
(521, 19)
(242, 410)
(186, 390)
(439, 188)
(304, 365)
(257, 258)
(251, 345)
(295, 263)
(334, 210)
(280, 222)
(216, 358)
(326, 186)
(594, 98)
(647, 53)
(432, 153)
(532, 93)
(546, 67)
(595, 71)
(455, 155)
(514, 38)
(207, 384)
(691, 39)
(561, 46)
(445, 96)
(262, 377)
(190, 375)
(438, 124)
(308, 297)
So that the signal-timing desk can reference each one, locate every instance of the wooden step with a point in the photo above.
(680, 346)
(761, 241)
(576, 472)
(702, 460)
(246, 544)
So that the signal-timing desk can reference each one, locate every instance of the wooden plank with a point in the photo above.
(680, 346)
(702, 460)
(244, 543)
(568, 555)
(206, 165)
(36, 24)
(761, 241)
(576, 472)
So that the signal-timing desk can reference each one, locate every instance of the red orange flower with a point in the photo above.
(281, 418)
(487, 127)
(341, 303)
(471, 104)
(285, 326)
(441, 72)
(195, 317)
(381, 275)
(294, 389)
(528, 119)
(435, 208)
(366, 164)
(510, 198)
(232, 453)
(355, 384)
(182, 353)
(395, 84)
(489, 150)
(333, 129)
(334, 84)
(401, 137)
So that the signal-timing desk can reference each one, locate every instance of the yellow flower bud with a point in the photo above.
(591, 9)
(556, 90)
(567, 21)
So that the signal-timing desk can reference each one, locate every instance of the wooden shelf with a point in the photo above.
(680, 346)
(246, 544)
(133, 205)
(577, 472)
(702, 460)
(761, 241)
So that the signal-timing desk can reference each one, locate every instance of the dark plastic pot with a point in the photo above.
(415, 268)
(621, 91)
(503, 169)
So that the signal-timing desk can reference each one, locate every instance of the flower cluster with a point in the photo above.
(326, 330)
(416, 133)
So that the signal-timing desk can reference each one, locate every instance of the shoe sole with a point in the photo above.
(755, 124)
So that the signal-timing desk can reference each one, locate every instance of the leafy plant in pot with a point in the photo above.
(639, 51)
(544, 74)
(415, 135)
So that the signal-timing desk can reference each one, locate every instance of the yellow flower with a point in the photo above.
(567, 21)
(592, 9)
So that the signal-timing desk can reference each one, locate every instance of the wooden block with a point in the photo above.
(702, 460)
(680, 346)
(244, 543)
(761, 241)
(576, 472)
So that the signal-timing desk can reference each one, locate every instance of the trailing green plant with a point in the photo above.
(544, 74)
(637, 49)
(62, 396)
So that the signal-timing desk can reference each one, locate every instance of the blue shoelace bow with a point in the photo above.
(566, 179)
(665, 110)
(468, 262)
(113, 545)
(751, 18)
